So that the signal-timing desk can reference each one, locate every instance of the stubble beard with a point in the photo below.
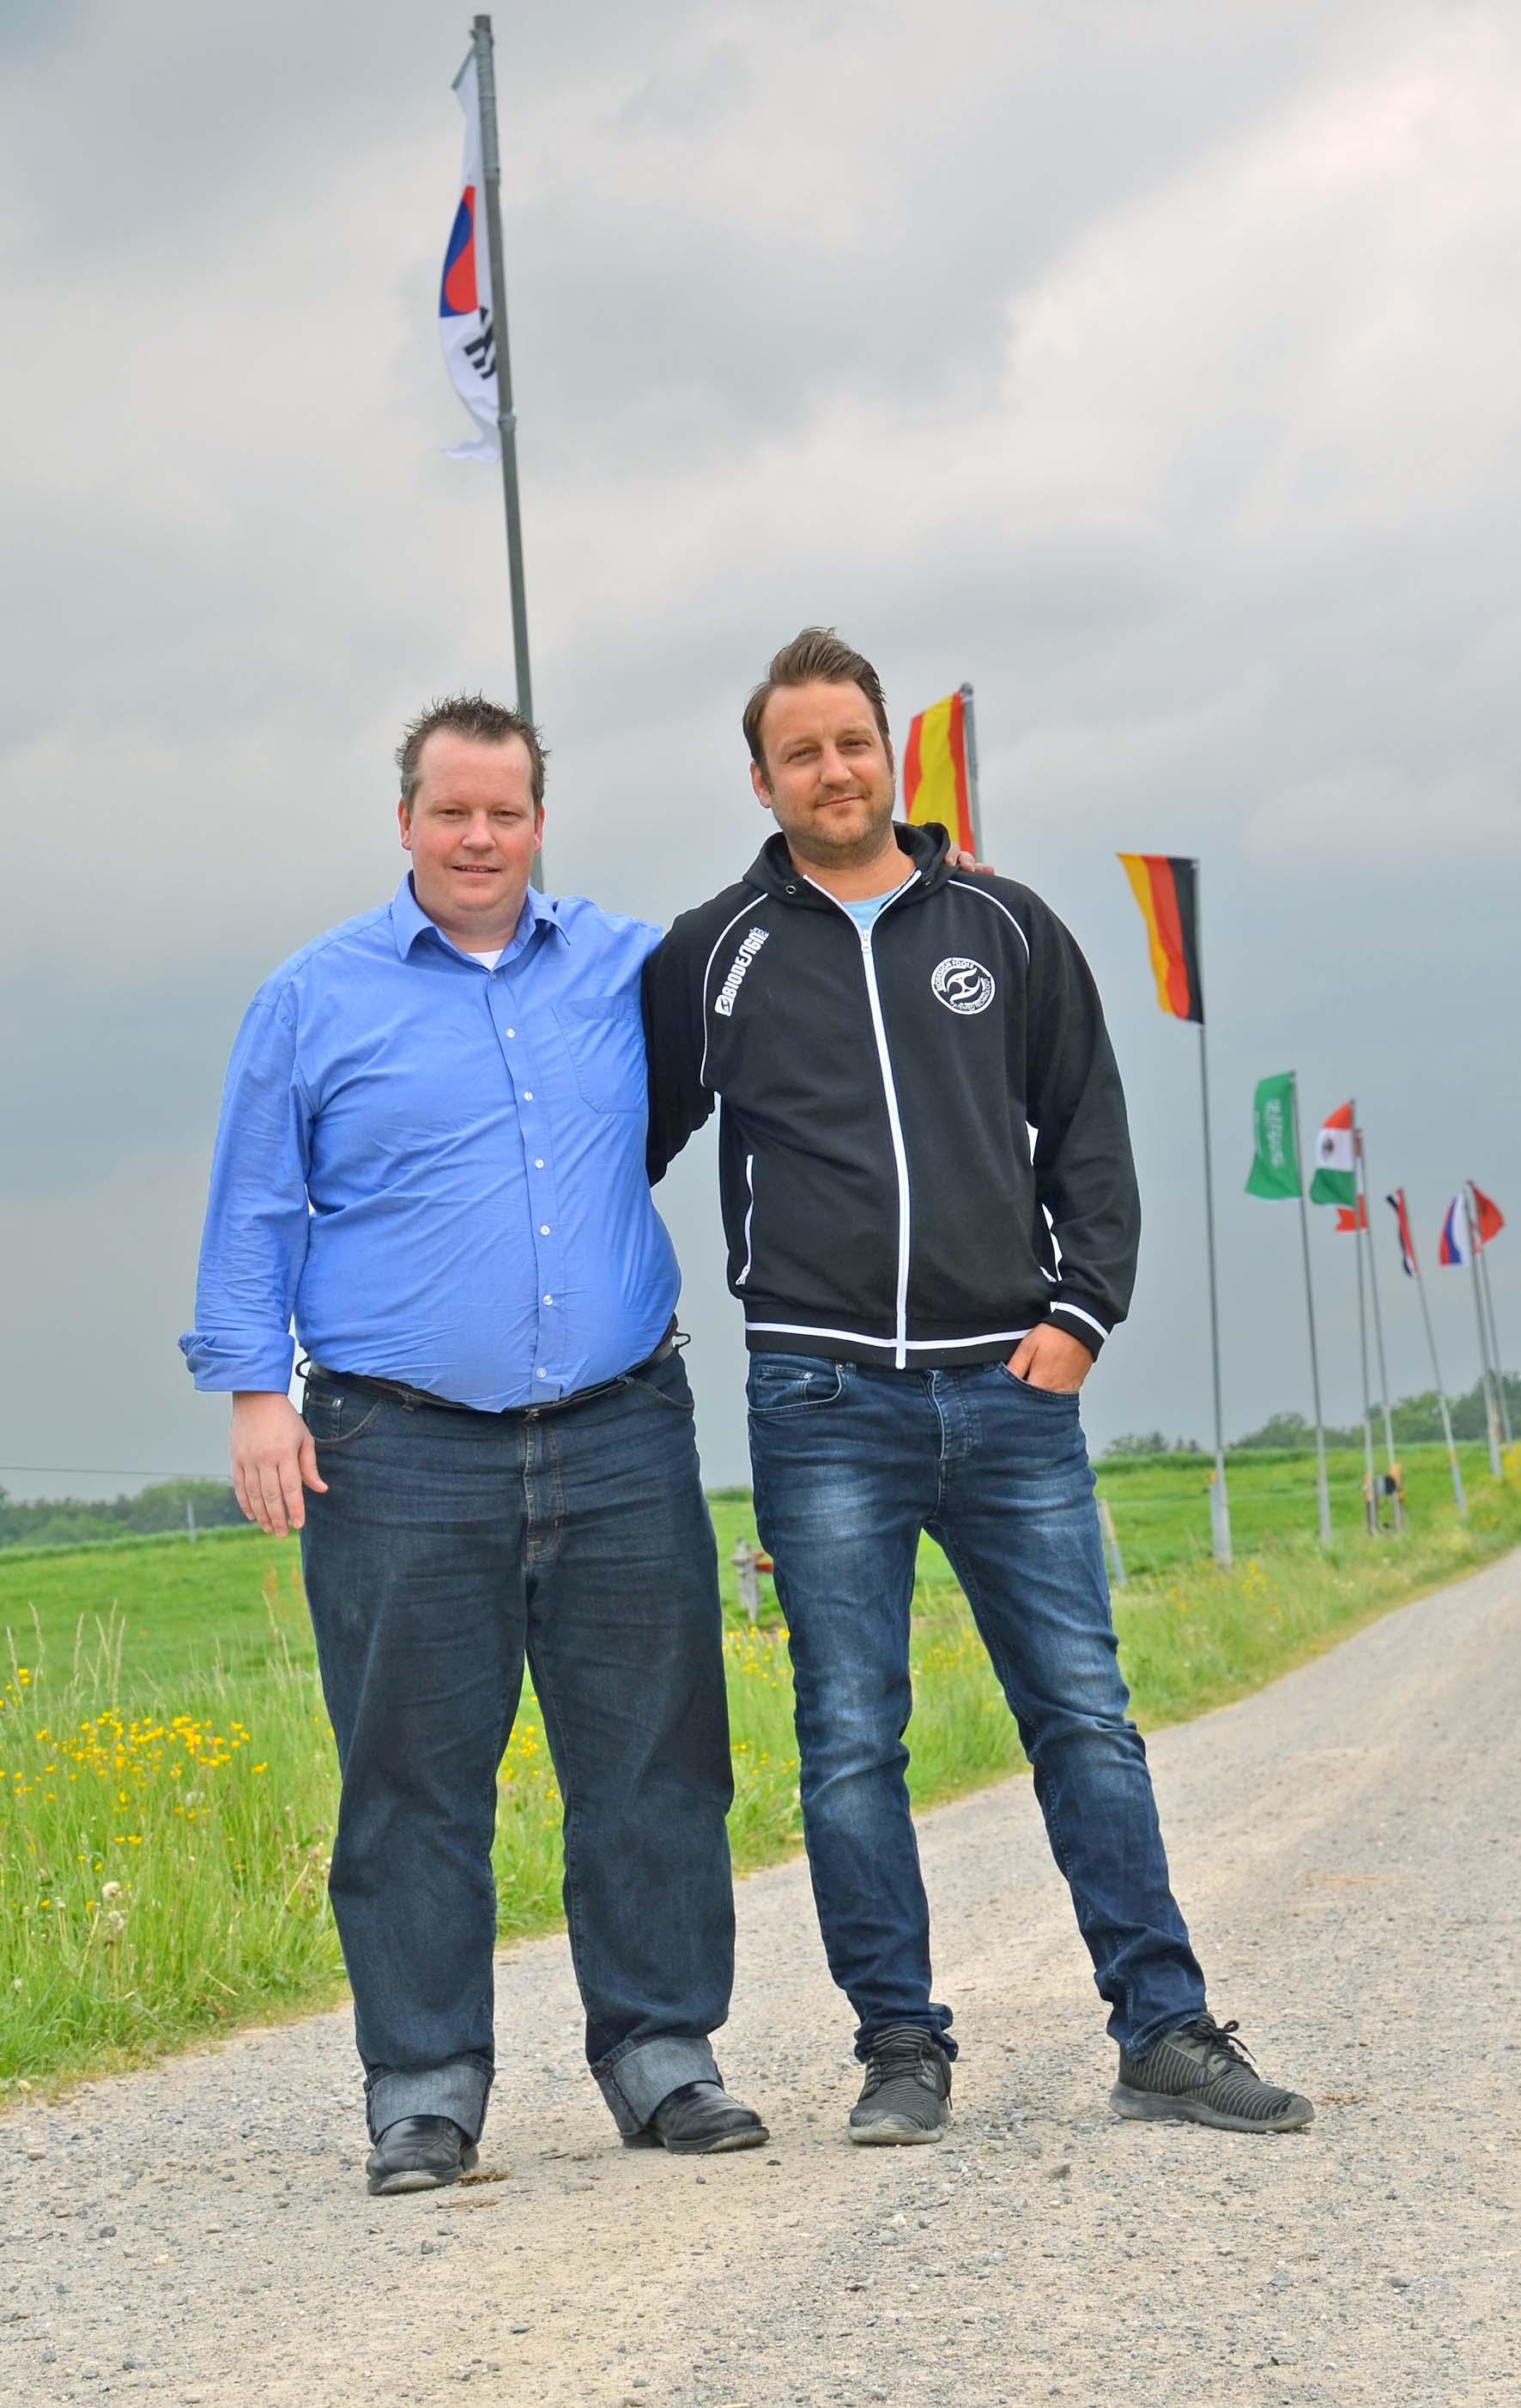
(812, 841)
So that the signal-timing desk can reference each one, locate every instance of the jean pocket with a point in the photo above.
(335, 1415)
(783, 1384)
(1028, 1388)
(675, 1394)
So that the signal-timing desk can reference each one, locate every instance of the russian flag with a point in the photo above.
(1454, 1246)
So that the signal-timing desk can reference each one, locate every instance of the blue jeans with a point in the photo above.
(448, 1546)
(850, 1464)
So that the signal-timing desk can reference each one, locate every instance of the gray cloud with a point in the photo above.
(1152, 366)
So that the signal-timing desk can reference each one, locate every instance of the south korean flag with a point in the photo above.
(465, 295)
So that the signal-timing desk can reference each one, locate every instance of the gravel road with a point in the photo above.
(1345, 1846)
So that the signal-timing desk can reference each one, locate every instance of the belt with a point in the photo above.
(406, 1396)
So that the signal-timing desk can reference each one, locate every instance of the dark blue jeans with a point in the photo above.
(850, 1464)
(448, 1547)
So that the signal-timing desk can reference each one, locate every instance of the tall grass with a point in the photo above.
(164, 1846)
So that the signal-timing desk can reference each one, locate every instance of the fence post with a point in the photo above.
(1112, 1544)
(746, 1561)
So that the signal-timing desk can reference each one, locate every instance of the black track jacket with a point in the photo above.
(879, 1198)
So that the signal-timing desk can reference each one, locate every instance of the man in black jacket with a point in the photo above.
(884, 1034)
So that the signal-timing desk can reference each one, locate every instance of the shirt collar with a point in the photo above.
(409, 920)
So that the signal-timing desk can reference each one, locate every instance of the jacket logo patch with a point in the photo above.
(962, 985)
(739, 970)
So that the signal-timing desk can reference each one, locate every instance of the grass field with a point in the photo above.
(167, 1763)
(186, 1605)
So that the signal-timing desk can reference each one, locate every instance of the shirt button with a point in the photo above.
(549, 1299)
(538, 1162)
(511, 1032)
(541, 1373)
(527, 1095)
(543, 1228)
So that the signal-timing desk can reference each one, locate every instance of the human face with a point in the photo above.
(828, 776)
(472, 833)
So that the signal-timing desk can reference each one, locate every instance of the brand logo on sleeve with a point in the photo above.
(738, 971)
(963, 985)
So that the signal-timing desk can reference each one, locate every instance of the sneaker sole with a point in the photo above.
(892, 2132)
(1161, 2107)
(418, 2178)
(724, 2147)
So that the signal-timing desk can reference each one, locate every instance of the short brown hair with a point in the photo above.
(818, 653)
(483, 722)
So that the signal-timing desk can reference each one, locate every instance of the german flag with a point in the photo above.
(935, 781)
(1167, 890)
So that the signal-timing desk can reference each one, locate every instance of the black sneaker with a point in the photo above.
(1200, 2074)
(906, 2097)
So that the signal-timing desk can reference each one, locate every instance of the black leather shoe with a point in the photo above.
(699, 2120)
(421, 2153)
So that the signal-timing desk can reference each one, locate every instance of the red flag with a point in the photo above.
(1407, 1243)
(1489, 1220)
(936, 785)
(1349, 1216)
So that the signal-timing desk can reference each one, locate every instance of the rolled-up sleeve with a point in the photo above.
(254, 1241)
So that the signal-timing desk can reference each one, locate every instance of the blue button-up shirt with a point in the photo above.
(437, 1168)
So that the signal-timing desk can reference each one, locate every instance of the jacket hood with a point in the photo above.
(772, 869)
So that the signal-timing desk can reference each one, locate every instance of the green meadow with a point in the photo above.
(168, 1770)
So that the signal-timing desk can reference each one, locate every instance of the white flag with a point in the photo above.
(465, 324)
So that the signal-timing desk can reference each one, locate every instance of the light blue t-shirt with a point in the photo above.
(864, 913)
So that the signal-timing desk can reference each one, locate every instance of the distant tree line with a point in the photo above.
(65, 1521)
(68, 1521)
(1416, 1419)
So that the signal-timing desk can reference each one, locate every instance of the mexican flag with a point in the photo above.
(1336, 1163)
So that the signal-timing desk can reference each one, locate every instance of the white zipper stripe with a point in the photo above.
(858, 1337)
(968, 888)
(744, 908)
(750, 1251)
(900, 1155)
(894, 1122)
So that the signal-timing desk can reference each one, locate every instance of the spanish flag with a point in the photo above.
(936, 785)
(1165, 888)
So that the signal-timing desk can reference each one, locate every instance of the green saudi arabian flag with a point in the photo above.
(1275, 1168)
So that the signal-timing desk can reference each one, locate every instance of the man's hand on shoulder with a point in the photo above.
(1049, 1359)
(273, 1454)
(958, 857)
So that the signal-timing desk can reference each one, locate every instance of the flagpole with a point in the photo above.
(1482, 1259)
(1322, 1486)
(1460, 1501)
(969, 733)
(1219, 1498)
(480, 35)
(1396, 1509)
(1490, 1417)
(1370, 1497)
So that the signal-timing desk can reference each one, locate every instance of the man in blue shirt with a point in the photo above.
(432, 1154)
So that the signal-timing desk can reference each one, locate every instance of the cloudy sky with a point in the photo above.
(1154, 364)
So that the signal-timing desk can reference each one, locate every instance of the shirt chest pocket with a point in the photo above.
(604, 1040)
